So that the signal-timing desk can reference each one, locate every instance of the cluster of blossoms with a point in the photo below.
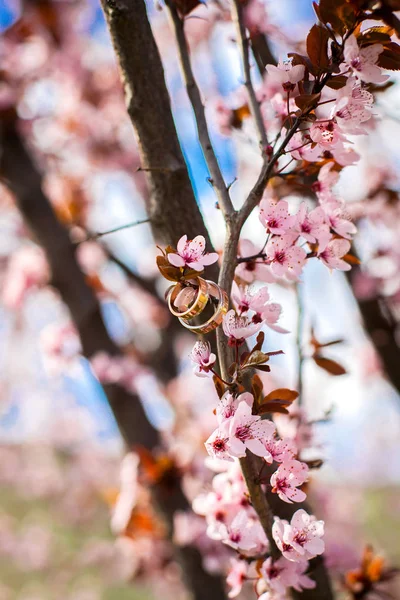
(228, 510)
(326, 229)
(351, 104)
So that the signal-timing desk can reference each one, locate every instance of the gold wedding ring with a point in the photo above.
(219, 313)
(197, 305)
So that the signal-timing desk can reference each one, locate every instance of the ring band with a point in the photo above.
(220, 311)
(198, 305)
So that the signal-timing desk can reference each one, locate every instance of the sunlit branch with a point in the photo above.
(244, 43)
(256, 193)
(193, 92)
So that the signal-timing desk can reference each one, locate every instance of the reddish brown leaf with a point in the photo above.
(257, 389)
(264, 368)
(186, 6)
(254, 359)
(239, 115)
(351, 260)
(375, 35)
(271, 407)
(332, 343)
(339, 13)
(336, 82)
(314, 464)
(306, 101)
(390, 57)
(329, 365)
(317, 46)
(167, 270)
(219, 386)
(282, 394)
(260, 341)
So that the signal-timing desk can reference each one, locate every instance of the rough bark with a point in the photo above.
(25, 181)
(382, 330)
(171, 204)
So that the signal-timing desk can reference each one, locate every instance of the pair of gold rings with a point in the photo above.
(205, 292)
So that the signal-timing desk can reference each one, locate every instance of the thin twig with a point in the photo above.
(193, 93)
(299, 342)
(95, 236)
(244, 42)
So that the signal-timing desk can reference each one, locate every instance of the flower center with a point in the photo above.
(280, 257)
(273, 223)
(356, 64)
(219, 444)
(300, 538)
(243, 433)
(288, 86)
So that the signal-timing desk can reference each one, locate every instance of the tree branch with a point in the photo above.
(262, 51)
(193, 92)
(171, 205)
(244, 42)
(265, 504)
(95, 236)
(256, 193)
(85, 312)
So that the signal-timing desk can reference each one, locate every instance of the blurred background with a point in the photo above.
(60, 447)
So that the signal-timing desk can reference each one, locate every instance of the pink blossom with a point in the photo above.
(287, 478)
(283, 574)
(203, 358)
(327, 179)
(344, 156)
(237, 329)
(191, 254)
(229, 403)
(245, 299)
(240, 431)
(340, 224)
(332, 255)
(247, 431)
(274, 215)
(218, 444)
(236, 576)
(363, 61)
(27, 269)
(312, 226)
(326, 134)
(245, 533)
(286, 259)
(301, 147)
(184, 298)
(301, 538)
(270, 316)
(279, 450)
(255, 270)
(353, 107)
(285, 76)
